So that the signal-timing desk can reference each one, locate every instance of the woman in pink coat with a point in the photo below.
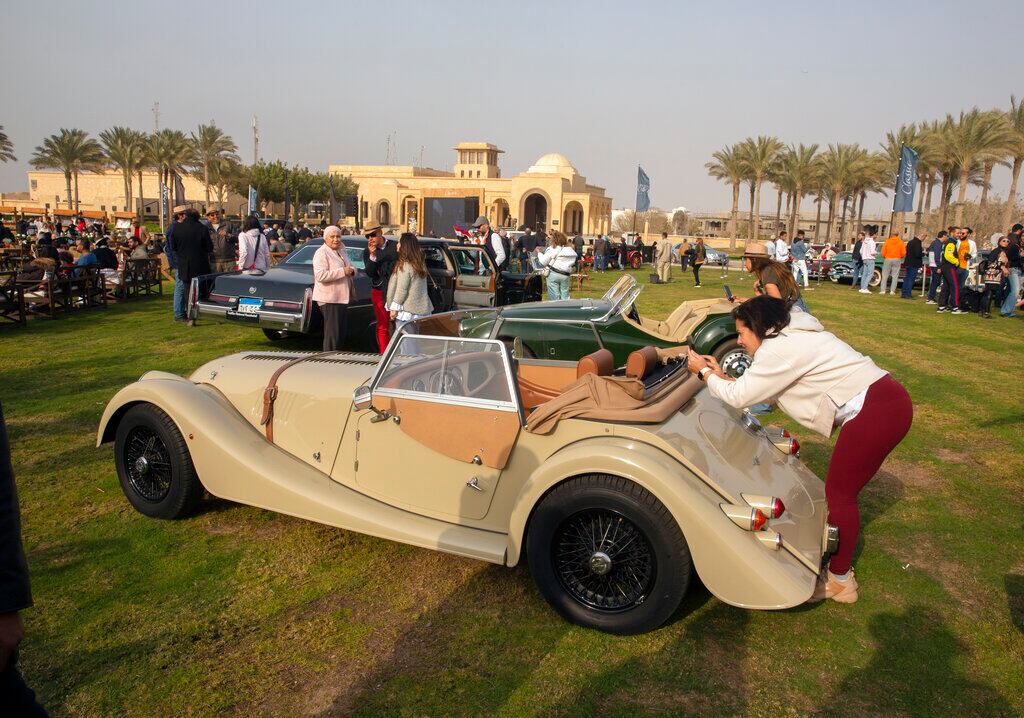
(332, 287)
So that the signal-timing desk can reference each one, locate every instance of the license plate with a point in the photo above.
(249, 306)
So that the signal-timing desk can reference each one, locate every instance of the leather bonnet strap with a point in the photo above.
(270, 392)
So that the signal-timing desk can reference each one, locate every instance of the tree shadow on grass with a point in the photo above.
(454, 659)
(699, 672)
(1015, 599)
(915, 671)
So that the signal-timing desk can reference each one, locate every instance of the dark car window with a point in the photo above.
(433, 257)
(304, 256)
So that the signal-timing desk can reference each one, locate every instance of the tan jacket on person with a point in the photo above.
(663, 252)
(331, 281)
(409, 290)
(808, 371)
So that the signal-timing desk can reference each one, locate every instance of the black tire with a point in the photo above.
(576, 577)
(154, 466)
(729, 355)
(275, 335)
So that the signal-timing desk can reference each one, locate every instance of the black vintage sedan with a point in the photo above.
(280, 300)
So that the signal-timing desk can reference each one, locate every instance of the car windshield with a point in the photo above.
(303, 256)
(622, 294)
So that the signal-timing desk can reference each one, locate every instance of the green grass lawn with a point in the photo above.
(239, 611)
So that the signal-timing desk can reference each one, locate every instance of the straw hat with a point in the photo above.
(756, 249)
(371, 227)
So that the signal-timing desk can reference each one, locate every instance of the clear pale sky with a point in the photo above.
(608, 84)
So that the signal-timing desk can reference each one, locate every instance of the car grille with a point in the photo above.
(358, 358)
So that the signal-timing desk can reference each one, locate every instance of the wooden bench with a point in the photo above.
(66, 290)
(136, 278)
(277, 257)
(12, 299)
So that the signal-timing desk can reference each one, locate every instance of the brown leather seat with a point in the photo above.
(601, 362)
(641, 363)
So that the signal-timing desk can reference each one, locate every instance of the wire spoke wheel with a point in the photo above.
(147, 464)
(603, 560)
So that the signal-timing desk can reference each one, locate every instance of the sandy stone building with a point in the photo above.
(550, 194)
(104, 192)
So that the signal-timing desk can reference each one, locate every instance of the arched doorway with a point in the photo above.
(384, 212)
(500, 213)
(572, 219)
(535, 211)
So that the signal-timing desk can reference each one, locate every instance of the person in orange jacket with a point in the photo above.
(893, 252)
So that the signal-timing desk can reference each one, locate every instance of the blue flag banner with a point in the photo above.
(643, 189)
(252, 199)
(906, 182)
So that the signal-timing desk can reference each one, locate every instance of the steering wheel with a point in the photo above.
(447, 382)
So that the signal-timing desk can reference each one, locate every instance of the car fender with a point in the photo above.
(733, 564)
(713, 331)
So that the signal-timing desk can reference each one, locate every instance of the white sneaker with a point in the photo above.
(957, 311)
(864, 291)
(931, 302)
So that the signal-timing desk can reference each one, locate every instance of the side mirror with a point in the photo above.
(362, 397)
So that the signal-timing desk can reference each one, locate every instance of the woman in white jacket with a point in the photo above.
(823, 383)
(253, 250)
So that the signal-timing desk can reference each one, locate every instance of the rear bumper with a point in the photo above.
(293, 322)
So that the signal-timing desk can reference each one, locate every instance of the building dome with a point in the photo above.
(552, 163)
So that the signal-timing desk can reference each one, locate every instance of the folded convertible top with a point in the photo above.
(612, 398)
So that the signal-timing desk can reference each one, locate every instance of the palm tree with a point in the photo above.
(224, 172)
(169, 152)
(210, 145)
(1015, 118)
(759, 155)
(125, 150)
(72, 152)
(800, 167)
(6, 148)
(838, 165)
(872, 173)
(728, 166)
(976, 137)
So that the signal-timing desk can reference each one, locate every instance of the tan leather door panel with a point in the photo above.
(425, 461)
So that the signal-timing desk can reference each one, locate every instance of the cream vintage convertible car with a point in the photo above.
(614, 488)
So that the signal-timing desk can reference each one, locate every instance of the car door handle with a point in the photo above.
(474, 484)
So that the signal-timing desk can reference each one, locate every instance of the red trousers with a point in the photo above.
(862, 446)
(383, 319)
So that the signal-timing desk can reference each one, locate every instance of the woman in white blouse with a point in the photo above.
(253, 251)
(825, 384)
(559, 259)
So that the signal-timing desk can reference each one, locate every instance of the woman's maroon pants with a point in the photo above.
(862, 446)
(383, 319)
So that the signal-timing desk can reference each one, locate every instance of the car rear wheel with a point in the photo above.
(606, 554)
(153, 464)
(275, 335)
(636, 261)
(876, 277)
(733, 358)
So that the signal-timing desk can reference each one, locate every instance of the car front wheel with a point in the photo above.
(606, 554)
(153, 464)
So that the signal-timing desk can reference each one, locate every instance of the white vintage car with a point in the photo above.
(615, 488)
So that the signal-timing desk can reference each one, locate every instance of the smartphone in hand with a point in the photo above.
(728, 293)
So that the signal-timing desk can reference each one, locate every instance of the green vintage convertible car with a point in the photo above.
(570, 329)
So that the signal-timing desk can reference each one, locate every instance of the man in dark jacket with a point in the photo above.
(304, 234)
(16, 698)
(192, 247)
(105, 255)
(912, 264)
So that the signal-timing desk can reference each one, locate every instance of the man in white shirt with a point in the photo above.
(493, 243)
(867, 254)
(770, 246)
(782, 247)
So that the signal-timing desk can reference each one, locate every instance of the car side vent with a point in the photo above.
(361, 359)
(272, 356)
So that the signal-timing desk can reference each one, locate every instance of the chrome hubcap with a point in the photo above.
(600, 563)
(142, 465)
